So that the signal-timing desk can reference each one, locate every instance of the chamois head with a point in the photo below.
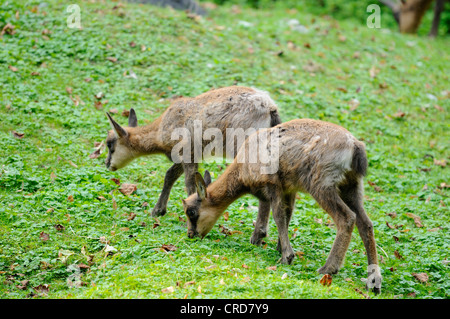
(198, 208)
(119, 151)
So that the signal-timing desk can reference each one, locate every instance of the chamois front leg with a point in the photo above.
(172, 174)
(189, 177)
(279, 215)
(262, 223)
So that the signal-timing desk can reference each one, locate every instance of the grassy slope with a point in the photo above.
(187, 57)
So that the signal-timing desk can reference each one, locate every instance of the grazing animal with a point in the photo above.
(316, 157)
(230, 107)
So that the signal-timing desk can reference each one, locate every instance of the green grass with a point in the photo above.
(47, 177)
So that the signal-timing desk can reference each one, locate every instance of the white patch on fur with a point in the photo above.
(121, 157)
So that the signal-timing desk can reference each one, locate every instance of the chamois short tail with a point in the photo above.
(359, 160)
(274, 118)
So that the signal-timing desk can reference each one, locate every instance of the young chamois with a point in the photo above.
(320, 158)
(230, 107)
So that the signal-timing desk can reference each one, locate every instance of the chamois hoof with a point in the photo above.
(158, 212)
(256, 240)
(287, 260)
(327, 270)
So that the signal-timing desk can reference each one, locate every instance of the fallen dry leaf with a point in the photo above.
(23, 284)
(116, 180)
(354, 103)
(226, 215)
(189, 283)
(59, 227)
(43, 289)
(397, 255)
(168, 290)
(373, 71)
(18, 135)
(272, 268)
(8, 29)
(169, 247)
(441, 162)
(326, 280)
(70, 198)
(390, 226)
(73, 164)
(375, 187)
(422, 277)
(127, 189)
(98, 105)
(399, 114)
(416, 219)
(97, 151)
(225, 230)
(131, 217)
(44, 236)
(13, 68)
(112, 59)
(83, 266)
(392, 214)
(300, 254)
(244, 266)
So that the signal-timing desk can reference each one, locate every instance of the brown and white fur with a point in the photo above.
(320, 158)
(229, 107)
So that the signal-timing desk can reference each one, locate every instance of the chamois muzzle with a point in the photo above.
(192, 233)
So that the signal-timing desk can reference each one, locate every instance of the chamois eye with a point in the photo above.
(190, 212)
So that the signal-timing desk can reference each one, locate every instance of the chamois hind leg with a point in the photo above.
(262, 223)
(289, 202)
(279, 215)
(172, 174)
(328, 198)
(352, 195)
(189, 177)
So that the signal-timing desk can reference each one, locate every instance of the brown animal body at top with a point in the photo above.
(234, 107)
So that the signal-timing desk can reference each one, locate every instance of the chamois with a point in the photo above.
(230, 107)
(315, 157)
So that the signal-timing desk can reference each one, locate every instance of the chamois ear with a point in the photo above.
(207, 178)
(120, 131)
(200, 185)
(132, 118)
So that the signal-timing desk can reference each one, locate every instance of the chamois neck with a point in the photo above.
(226, 189)
(145, 139)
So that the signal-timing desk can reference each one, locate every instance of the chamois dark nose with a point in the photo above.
(192, 233)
